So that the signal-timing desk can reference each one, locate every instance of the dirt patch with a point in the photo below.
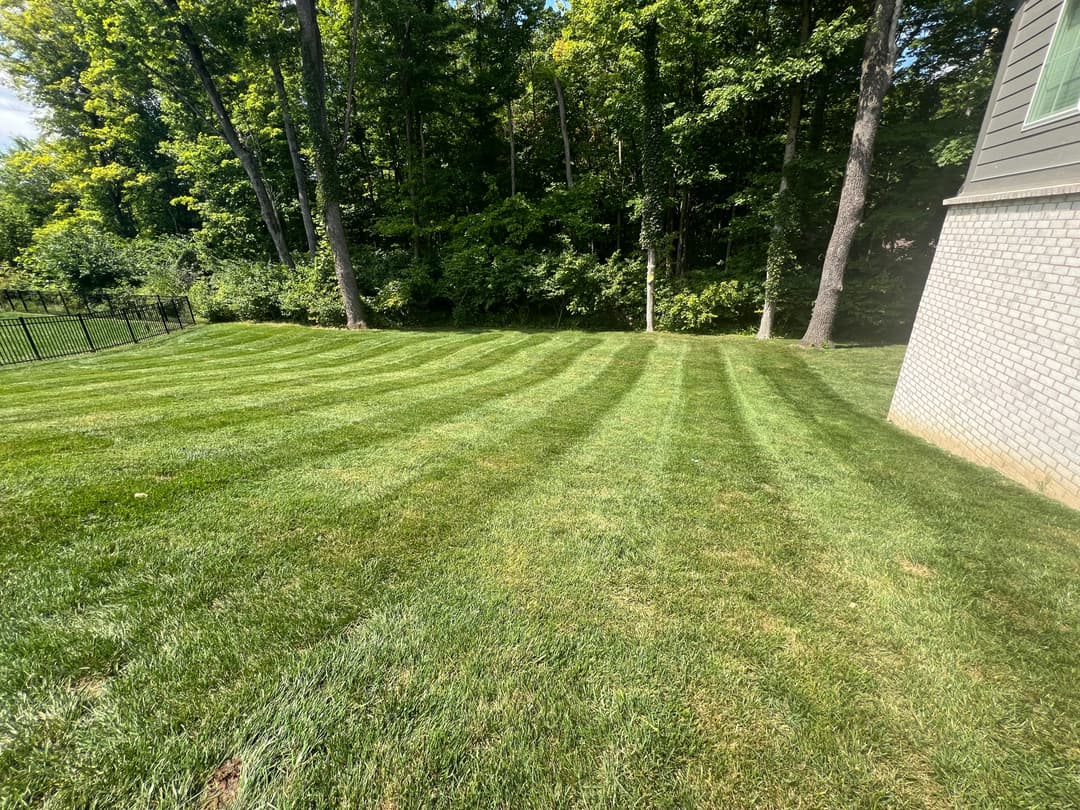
(224, 784)
(916, 569)
(90, 687)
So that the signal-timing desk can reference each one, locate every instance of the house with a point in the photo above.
(992, 370)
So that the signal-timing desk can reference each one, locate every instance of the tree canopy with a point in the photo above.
(491, 160)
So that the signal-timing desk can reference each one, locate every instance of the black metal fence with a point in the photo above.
(29, 337)
(56, 302)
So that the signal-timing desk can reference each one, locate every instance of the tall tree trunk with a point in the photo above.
(619, 210)
(879, 60)
(779, 249)
(652, 163)
(294, 156)
(513, 150)
(350, 88)
(565, 133)
(684, 232)
(326, 170)
(247, 160)
(650, 289)
(410, 179)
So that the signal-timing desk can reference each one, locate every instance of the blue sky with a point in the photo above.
(16, 116)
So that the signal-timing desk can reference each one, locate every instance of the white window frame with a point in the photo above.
(1061, 114)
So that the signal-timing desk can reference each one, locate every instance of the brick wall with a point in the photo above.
(992, 370)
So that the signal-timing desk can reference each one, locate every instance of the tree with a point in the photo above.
(326, 169)
(247, 159)
(652, 162)
(779, 253)
(295, 157)
(564, 130)
(879, 61)
(423, 99)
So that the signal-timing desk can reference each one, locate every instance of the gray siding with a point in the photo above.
(1009, 157)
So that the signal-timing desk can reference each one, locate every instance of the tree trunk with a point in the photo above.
(684, 232)
(652, 164)
(294, 155)
(350, 88)
(650, 287)
(565, 133)
(879, 59)
(778, 243)
(247, 160)
(326, 170)
(513, 152)
(410, 178)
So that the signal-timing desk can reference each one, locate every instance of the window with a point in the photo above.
(1058, 90)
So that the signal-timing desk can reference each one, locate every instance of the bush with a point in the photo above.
(240, 290)
(76, 254)
(591, 292)
(310, 295)
(164, 265)
(686, 309)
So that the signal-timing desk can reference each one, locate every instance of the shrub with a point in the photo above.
(164, 265)
(310, 295)
(76, 254)
(589, 291)
(686, 309)
(240, 290)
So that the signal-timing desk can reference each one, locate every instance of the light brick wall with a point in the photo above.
(992, 370)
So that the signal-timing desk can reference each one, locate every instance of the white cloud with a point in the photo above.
(16, 117)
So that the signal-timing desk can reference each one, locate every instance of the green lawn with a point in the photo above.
(60, 336)
(509, 569)
(9, 315)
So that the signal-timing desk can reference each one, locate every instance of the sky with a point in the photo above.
(16, 116)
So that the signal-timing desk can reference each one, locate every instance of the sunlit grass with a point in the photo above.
(517, 569)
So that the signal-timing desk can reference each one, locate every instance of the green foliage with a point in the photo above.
(686, 309)
(676, 114)
(591, 292)
(165, 266)
(240, 290)
(77, 254)
(310, 295)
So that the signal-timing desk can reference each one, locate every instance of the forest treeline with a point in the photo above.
(490, 161)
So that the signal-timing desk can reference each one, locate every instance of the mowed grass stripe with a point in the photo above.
(219, 468)
(905, 574)
(242, 513)
(593, 571)
(209, 363)
(111, 432)
(303, 392)
(587, 402)
(145, 357)
(314, 357)
(97, 563)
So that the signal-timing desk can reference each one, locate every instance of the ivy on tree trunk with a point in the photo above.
(652, 162)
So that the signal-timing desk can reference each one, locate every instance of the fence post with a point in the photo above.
(7, 295)
(191, 312)
(44, 303)
(29, 338)
(161, 312)
(124, 312)
(22, 300)
(63, 300)
(86, 332)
